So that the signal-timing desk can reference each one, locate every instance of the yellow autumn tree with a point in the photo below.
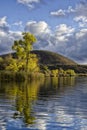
(25, 61)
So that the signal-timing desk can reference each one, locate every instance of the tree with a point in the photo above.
(54, 73)
(23, 48)
(70, 72)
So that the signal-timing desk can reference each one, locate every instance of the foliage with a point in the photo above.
(70, 72)
(54, 73)
(61, 72)
(33, 64)
(23, 47)
(13, 66)
(45, 70)
(5, 61)
(25, 61)
(1, 59)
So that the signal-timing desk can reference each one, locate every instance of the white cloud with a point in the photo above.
(41, 30)
(37, 28)
(29, 3)
(65, 40)
(81, 14)
(55, 41)
(70, 10)
(81, 33)
(3, 24)
(7, 37)
(62, 32)
(64, 29)
(81, 20)
(2, 34)
(19, 23)
(70, 41)
(81, 9)
(7, 40)
(3, 21)
(60, 12)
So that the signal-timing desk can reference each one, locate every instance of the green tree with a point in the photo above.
(54, 73)
(70, 72)
(23, 48)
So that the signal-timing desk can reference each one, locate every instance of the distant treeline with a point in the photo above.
(77, 68)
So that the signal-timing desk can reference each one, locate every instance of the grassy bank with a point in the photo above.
(22, 76)
(19, 76)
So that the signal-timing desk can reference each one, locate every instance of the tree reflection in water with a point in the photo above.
(24, 95)
(55, 86)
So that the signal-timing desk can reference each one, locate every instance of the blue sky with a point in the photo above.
(16, 11)
(59, 25)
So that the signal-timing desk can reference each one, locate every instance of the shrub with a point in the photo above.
(70, 72)
(54, 73)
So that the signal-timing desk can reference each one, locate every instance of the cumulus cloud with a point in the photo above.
(81, 20)
(37, 28)
(64, 30)
(29, 3)
(72, 45)
(6, 36)
(75, 45)
(41, 30)
(80, 46)
(81, 33)
(3, 24)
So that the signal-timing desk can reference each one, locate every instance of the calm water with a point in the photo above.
(50, 104)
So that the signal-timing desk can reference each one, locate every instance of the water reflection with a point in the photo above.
(56, 85)
(26, 95)
(51, 103)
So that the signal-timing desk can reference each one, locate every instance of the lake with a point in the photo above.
(46, 104)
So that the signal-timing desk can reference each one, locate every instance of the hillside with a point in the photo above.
(47, 57)
(57, 61)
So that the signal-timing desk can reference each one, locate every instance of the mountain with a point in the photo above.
(48, 57)
(57, 61)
